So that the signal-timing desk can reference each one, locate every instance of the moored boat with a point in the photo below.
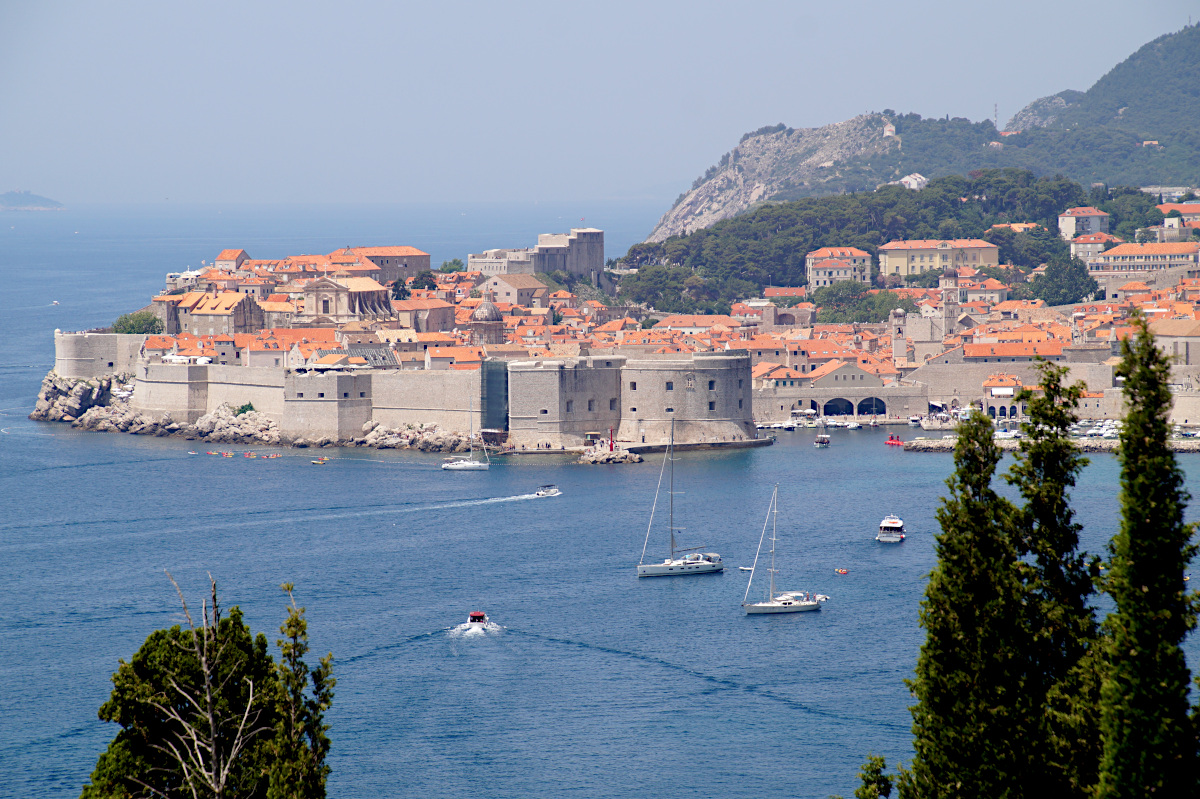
(786, 601)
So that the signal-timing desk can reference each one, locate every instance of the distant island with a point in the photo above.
(27, 201)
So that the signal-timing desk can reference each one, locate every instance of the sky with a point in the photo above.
(465, 100)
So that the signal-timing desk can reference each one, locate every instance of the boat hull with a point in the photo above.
(890, 538)
(677, 568)
(781, 607)
(465, 466)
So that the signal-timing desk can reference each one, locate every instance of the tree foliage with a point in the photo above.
(453, 265)
(424, 280)
(205, 711)
(1065, 281)
(1058, 580)
(400, 290)
(1149, 743)
(138, 322)
(973, 717)
(735, 258)
(848, 301)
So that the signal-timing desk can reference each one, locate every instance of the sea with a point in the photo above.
(587, 682)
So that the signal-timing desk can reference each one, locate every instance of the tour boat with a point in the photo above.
(891, 530)
(477, 617)
(853, 426)
(548, 491)
(788, 601)
(822, 440)
(693, 563)
(914, 421)
(469, 463)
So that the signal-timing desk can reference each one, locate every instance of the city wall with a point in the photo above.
(451, 399)
(85, 356)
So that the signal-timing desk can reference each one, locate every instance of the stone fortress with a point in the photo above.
(579, 253)
(559, 402)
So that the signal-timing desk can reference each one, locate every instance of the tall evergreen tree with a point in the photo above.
(298, 770)
(1149, 744)
(1062, 676)
(972, 721)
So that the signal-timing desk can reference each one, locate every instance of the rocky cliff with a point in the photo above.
(764, 165)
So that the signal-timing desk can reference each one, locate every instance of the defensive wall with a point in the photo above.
(450, 398)
(85, 356)
(186, 392)
(776, 403)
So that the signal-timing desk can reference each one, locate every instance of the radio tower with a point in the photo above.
(996, 115)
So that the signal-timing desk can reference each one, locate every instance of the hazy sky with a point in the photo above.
(297, 101)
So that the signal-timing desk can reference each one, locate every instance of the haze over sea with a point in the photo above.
(594, 684)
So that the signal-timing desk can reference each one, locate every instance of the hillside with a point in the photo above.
(1092, 136)
(26, 201)
(709, 268)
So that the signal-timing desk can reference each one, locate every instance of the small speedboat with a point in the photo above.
(891, 530)
(821, 441)
(745, 568)
(477, 617)
(841, 571)
(547, 490)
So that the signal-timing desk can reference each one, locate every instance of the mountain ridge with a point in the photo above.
(1136, 125)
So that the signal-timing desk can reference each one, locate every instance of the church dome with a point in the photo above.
(487, 312)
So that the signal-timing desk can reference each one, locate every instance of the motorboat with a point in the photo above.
(914, 421)
(821, 441)
(786, 601)
(854, 426)
(894, 440)
(891, 530)
(548, 490)
(477, 617)
(676, 564)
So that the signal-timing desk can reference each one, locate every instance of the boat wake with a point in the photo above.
(469, 630)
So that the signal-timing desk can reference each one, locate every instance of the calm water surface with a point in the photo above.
(593, 684)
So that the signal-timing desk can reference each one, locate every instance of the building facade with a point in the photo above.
(579, 253)
(915, 256)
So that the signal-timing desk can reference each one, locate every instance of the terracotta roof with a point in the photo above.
(1176, 248)
(1083, 210)
(838, 252)
(931, 244)
(1012, 349)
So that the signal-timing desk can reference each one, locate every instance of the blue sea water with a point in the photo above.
(593, 683)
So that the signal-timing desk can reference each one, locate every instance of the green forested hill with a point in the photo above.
(1089, 137)
(708, 269)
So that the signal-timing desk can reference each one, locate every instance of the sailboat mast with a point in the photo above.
(774, 519)
(671, 488)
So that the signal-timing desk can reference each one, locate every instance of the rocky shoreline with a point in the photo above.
(102, 405)
(1012, 444)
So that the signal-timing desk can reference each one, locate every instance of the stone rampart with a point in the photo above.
(85, 356)
(451, 399)
(709, 395)
(557, 402)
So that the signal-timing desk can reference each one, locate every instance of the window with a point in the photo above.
(345, 395)
(739, 384)
(570, 405)
(276, 361)
(320, 394)
(712, 384)
(300, 394)
(670, 386)
(670, 410)
(591, 405)
(608, 363)
(362, 393)
(543, 411)
(739, 404)
(612, 404)
(110, 363)
(632, 386)
(712, 406)
(633, 410)
(237, 354)
(324, 306)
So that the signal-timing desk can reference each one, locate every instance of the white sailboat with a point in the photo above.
(788, 601)
(469, 463)
(692, 563)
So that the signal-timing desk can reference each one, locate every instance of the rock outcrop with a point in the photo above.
(425, 438)
(65, 399)
(766, 164)
(598, 456)
(1043, 112)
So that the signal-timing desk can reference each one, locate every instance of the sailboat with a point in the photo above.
(822, 439)
(469, 463)
(788, 601)
(693, 563)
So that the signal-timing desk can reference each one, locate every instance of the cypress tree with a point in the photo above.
(1062, 677)
(1149, 743)
(972, 721)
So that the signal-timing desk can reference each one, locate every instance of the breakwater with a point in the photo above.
(1012, 444)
